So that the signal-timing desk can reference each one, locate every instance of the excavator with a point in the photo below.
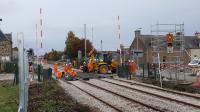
(101, 63)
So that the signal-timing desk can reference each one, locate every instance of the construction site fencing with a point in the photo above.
(7, 67)
(142, 70)
(123, 71)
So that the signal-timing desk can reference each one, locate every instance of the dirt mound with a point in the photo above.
(50, 97)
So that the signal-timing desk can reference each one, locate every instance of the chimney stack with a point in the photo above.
(197, 34)
(137, 33)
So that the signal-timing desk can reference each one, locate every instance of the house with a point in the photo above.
(15, 53)
(143, 45)
(5, 47)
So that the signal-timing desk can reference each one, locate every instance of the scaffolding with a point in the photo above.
(159, 45)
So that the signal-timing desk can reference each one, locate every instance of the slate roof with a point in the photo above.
(5, 36)
(191, 42)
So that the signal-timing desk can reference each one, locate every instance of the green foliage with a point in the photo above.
(8, 98)
(73, 44)
(7, 67)
(53, 55)
(69, 44)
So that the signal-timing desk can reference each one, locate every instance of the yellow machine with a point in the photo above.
(101, 63)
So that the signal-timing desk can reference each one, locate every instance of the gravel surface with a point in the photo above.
(148, 99)
(120, 103)
(160, 92)
(84, 98)
(133, 81)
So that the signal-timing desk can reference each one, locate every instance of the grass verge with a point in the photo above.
(8, 97)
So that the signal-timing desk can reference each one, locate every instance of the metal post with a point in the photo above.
(119, 36)
(92, 36)
(23, 76)
(101, 45)
(85, 42)
(159, 70)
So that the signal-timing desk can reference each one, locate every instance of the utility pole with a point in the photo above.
(120, 51)
(92, 36)
(85, 42)
(101, 45)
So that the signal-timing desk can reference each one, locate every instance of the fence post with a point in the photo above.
(143, 72)
(39, 72)
(23, 76)
(148, 70)
(16, 80)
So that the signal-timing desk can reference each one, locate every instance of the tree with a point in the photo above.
(74, 44)
(53, 55)
(68, 44)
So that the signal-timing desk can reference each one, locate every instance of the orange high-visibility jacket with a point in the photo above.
(55, 68)
(59, 74)
(74, 74)
(66, 69)
(90, 67)
(133, 67)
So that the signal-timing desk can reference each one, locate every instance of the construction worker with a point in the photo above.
(66, 69)
(133, 68)
(59, 74)
(90, 66)
(55, 68)
(70, 67)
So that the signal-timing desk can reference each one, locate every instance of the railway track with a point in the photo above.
(153, 94)
(127, 98)
(158, 88)
(110, 105)
(152, 108)
(140, 102)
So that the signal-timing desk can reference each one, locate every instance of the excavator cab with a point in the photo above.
(104, 57)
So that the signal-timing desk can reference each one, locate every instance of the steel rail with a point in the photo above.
(127, 98)
(161, 89)
(153, 94)
(110, 105)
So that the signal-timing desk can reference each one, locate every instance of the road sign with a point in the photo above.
(138, 53)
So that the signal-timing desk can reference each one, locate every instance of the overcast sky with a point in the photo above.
(61, 16)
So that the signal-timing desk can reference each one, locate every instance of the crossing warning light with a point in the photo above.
(169, 40)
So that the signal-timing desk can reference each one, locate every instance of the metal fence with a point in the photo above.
(23, 75)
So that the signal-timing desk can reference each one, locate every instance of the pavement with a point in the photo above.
(6, 76)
